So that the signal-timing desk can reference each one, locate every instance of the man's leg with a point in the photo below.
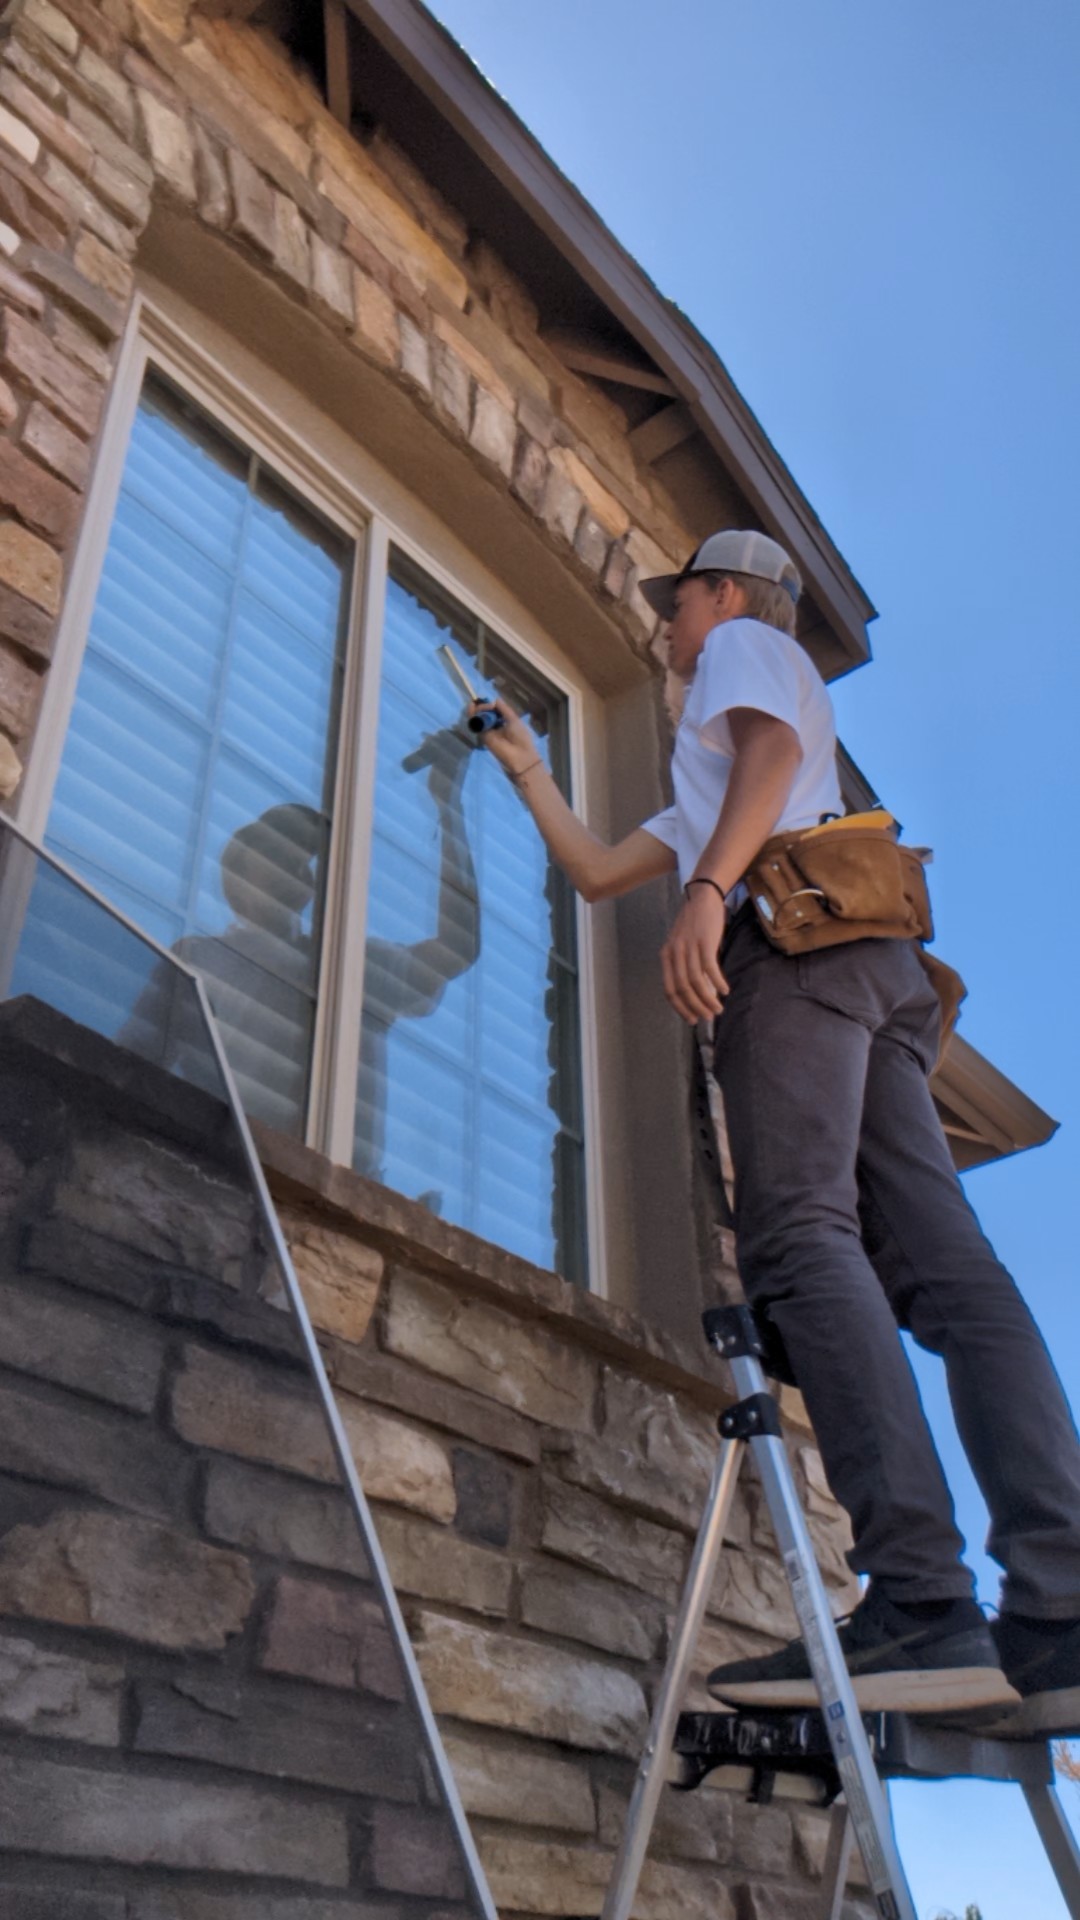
(947, 1285)
(792, 1057)
(793, 1075)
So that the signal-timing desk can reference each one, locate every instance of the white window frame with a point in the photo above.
(157, 339)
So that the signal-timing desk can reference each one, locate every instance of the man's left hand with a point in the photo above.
(690, 957)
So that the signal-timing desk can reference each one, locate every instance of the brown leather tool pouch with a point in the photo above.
(849, 880)
(845, 881)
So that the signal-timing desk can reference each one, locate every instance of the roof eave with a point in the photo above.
(443, 71)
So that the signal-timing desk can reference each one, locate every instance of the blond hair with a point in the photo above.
(766, 600)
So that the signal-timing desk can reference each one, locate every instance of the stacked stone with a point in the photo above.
(107, 110)
(200, 1711)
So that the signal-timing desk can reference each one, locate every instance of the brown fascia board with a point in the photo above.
(989, 1103)
(444, 73)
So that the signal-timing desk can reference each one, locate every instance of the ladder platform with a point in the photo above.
(789, 1752)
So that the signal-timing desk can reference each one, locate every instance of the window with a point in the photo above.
(469, 1088)
(196, 791)
(194, 785)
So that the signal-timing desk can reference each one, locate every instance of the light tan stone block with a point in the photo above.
(415, 354)
(126, 1576)
(172, 149)
(10, 768)
(376, 318)
(19, 137)
(442, 1566)
(108, 89)
(528, 1787)
(339, 1276)
(579, 1606)
(54, 25)
(494, 432)
(86, 206)
(292, 255)
(594, 1534)
(56, 132)
(451, 384)
(122, 192)
(55, 446)
(398, 1464)
(751, 1590)
(481, 368)
(562, 506)
(545, 1877)
(610, 512)
(689, 1826)
(331, 279)
(104, 268)
(80, 345)
(515, 1362)
(170, 17)
(253, 202)
(31, 567)
(212, 180)
(501, 1681)
(106, 142)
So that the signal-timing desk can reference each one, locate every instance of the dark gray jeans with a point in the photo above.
(850, 1220)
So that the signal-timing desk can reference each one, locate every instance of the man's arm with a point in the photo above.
(767, 758)
(597, 871)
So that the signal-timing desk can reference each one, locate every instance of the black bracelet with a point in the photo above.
(702, 880)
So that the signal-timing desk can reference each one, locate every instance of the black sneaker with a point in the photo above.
(1041, 1659)
(898, 1664)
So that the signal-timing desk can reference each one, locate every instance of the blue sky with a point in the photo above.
(872, 214)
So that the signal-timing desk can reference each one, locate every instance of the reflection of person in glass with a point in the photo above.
(407, 981)
(260, 971)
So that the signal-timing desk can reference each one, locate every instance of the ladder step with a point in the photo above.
(796, 1744)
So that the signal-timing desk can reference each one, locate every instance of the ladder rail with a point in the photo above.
(652, 1768)
(1059, 1843)
(863, 1790)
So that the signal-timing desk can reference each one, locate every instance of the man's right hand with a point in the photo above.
(514, 745)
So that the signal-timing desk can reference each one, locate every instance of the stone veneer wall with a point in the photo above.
(110, 107)
(194, 1682)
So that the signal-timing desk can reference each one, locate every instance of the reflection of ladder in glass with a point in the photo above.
(839, 1750)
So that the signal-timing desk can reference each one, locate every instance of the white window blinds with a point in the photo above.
(195, 781)
(470, 1091)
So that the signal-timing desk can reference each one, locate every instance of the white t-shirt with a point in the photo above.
(745, 663)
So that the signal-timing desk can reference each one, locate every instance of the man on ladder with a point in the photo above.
(850, 1216)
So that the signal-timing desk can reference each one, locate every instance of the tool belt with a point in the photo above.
(849, 879)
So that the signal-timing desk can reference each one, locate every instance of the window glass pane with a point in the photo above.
(470, 1083)
(195, 782)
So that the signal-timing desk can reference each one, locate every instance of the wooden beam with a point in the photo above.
(338, 77)
(229, 9)
(587, 353)
(662, 432)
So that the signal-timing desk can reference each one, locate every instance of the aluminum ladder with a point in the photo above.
(847, 1752)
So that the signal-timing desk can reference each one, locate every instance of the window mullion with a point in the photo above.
(332, 1112)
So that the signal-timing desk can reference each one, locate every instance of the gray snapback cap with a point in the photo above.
(729, 552)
